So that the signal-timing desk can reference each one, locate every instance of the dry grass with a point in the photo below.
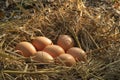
(95, 29)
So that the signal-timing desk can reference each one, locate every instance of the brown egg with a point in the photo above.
(26, 49)
(41, 42)
(66, 59)
(54, 50)
(65, 41)
(77, 53)
(43, 57)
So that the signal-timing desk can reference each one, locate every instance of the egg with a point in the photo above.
(43, 57)
(66, 59)
(26, 49)
(41, 42)
(65, 41)
(54, 50)
(78, 53)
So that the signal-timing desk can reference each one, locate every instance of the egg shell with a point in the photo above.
(41, 42)
(78, 53)
(43, 57)
(66, 59)
(65, 41)
(26, 49)
(54, 50)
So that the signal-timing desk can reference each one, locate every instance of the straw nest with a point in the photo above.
(95, 29)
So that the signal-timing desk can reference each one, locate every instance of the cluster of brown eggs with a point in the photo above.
(43, 50)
